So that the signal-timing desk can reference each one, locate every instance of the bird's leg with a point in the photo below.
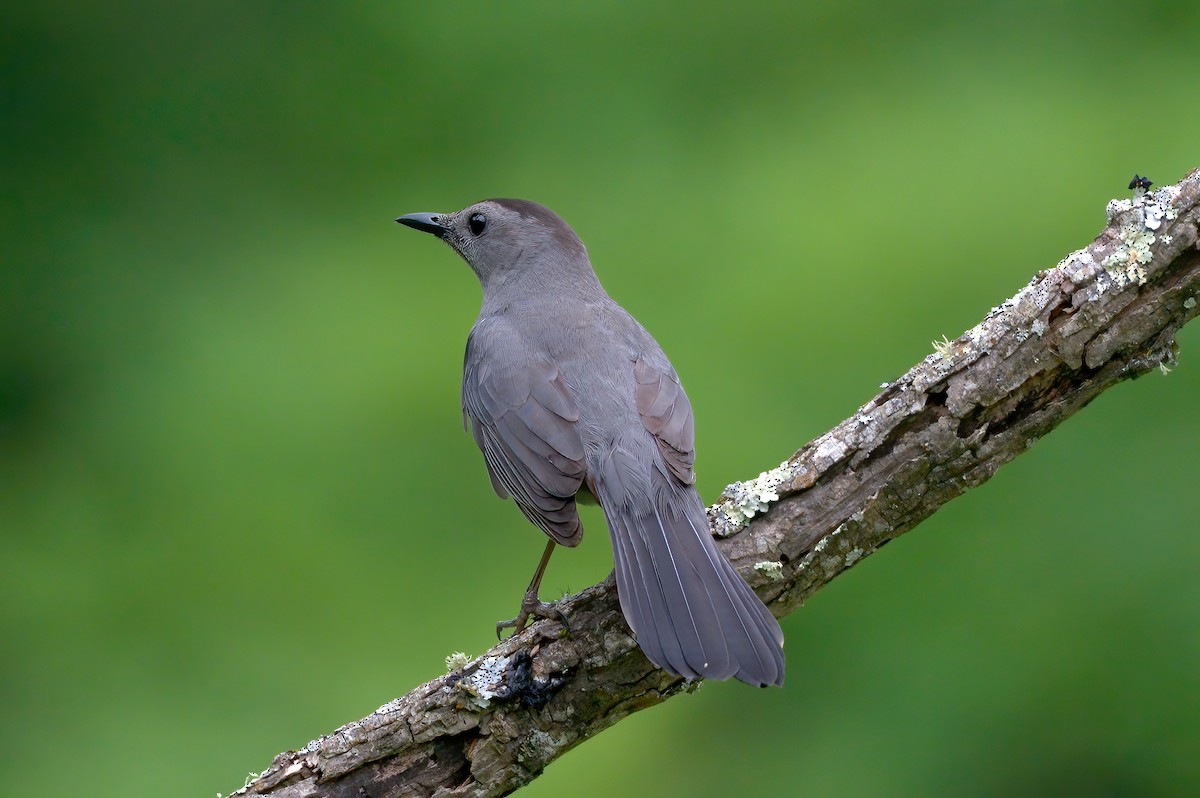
(531, 604)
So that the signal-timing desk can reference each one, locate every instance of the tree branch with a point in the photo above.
(1105, 314)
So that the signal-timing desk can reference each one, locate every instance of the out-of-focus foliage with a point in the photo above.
(236, 505)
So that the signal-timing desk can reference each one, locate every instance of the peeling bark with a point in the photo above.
(1105, 314)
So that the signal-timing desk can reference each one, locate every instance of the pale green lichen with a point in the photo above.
(744, 500)
(456, 661)
(1126, 261)
(1190, 302)
(942, 348)
(1143, 217)
(773, 571)
(1137, 247)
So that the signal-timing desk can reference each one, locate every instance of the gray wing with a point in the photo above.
(667, 415)
(525, 422)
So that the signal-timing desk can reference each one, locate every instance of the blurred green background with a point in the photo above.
(237, 506)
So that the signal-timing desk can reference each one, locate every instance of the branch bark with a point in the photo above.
(1106, 313)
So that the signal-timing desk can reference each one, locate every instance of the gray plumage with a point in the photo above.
(566, 394)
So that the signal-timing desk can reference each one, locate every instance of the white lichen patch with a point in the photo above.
(1166, 197)
(456, 661)
(1117, 208)
(1153, 217)
(853, 556)
(390, 707)
(1190, 302)
(1079, 266)
(1159, 206)
(830, 449)
(1038, 327)
(486, 682)
(773, 571)
(1005, 306)
(744, 500)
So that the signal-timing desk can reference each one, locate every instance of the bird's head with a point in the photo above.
(500, 237)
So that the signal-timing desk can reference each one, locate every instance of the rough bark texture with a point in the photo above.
(1105, 314)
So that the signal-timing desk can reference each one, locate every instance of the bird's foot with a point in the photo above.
(531, 605)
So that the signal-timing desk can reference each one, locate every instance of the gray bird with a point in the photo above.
(569, 398)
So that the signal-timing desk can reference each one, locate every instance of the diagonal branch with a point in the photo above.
(1105, 314)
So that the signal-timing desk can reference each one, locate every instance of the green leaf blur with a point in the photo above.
(237, 506)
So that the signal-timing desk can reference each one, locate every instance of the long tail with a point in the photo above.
(691, 612)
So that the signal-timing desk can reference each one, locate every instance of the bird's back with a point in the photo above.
(565, 391)
(691, 612)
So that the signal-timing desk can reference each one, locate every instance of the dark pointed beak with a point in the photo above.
(425, 222)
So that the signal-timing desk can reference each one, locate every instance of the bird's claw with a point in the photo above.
(531, 605)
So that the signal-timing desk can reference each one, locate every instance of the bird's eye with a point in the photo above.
(477, 223)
